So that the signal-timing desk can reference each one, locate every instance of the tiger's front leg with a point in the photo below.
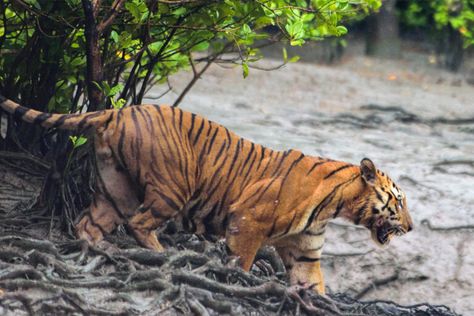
(301, 255)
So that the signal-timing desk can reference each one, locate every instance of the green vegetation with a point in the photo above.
(74, 54)
(455, 14)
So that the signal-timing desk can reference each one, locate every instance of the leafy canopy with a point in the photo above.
(43, 43)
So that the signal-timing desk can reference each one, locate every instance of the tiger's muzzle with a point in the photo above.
(382, 232)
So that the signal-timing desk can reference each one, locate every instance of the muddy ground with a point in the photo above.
(415, 120)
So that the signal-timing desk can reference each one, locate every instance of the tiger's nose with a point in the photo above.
(410, 227)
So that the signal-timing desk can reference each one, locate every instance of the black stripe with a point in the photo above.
(41, 118)
(339, 207)
(210, 193)
(262, 155)
(196, 207)
(138, 144)
(193, 117)
(107, 122)
(318, 163)
(272, 229)
(293, 164)
(201, 153)
(236, 154)
(283, 157)
(212, 141)
(268, 162)
(249, 154)
(167, 200)
(246, 178)
(307, 259)
(327, 199)
(336, 171)
(310, 233)
(146, 118)
(360, 212)
(180, 118)
(386, 204)
(120, 146)
(82, 123)
(379, 196)
(60, 121)
(220, 152)
(228, 137)
(20, 112)
(199, 132)
(290, 224)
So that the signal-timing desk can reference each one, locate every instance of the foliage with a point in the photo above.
(457, 14)
(44, 44)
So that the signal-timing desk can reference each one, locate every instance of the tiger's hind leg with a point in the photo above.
(155, 210)
(99, 219)
(114, 201)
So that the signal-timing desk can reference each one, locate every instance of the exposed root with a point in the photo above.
(40, 277)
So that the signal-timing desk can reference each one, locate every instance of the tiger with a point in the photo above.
(157, 163)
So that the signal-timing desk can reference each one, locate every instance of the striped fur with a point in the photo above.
(159, 162)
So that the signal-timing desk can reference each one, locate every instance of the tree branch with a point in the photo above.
(114, 11)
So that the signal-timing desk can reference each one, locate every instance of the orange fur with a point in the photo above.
(159, 162)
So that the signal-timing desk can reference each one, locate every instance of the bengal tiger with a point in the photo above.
(160, 162)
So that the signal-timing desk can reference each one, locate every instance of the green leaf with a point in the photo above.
(155, 47)
(77, 141)
(285, 55)
(298, 42)
(115, 90)
(341, 30)
(180, 11)
(201, 46)
(115, 37)
(245, 69)
(294, 59)
(134, 10)
(80, 141)
(118, 104)
(78, 61)
(246, 29)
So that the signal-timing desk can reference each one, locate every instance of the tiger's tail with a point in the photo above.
(76, 122)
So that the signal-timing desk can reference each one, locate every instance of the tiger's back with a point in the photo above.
(197, 167)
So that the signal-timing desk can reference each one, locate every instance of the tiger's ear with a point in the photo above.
(368, 171)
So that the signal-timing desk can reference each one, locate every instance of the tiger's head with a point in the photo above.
(382, 208)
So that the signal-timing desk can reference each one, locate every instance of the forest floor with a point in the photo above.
(414, 120)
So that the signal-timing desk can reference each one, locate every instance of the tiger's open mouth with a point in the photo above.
(382, 234)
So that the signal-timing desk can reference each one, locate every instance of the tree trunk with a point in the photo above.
(382, 34)
(452, 49)
(94, 61)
